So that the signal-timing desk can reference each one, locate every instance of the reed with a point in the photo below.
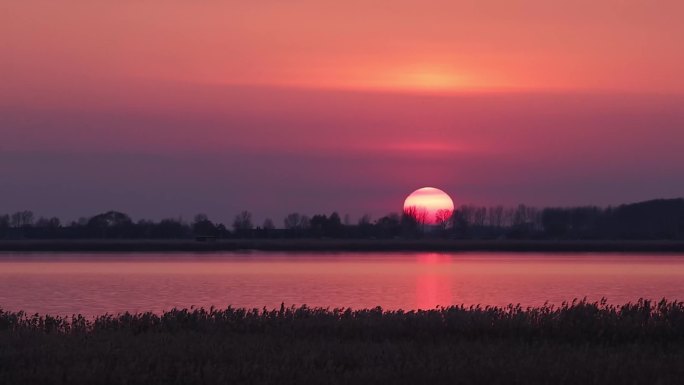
(576, 342)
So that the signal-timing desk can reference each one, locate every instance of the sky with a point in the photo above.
(172, 108)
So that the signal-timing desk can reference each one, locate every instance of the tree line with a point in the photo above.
(655, 219)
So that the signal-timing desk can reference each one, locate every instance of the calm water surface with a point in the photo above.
(91, 284)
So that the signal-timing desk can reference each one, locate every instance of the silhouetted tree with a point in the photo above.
(202, 226)
(655, 219)
(323, 226)
(293, 221)
(53, 222)
(479, 217)
(170, 228)
(364, 227)
(443, 218)
(317, 225)
(112, 224)
(268, 224)
(575, 223)
(22, 218)
(296, 225)
(460, 223)
(45, 228)
(334, 227)
(526, 221)
(556, 222)
(419, 215)
(222, 231)
(496, 216)
(242, 224)
(411, 226)
(4, 225)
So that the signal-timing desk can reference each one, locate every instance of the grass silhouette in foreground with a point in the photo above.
(574, 343)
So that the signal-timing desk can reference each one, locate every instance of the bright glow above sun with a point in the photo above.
(429, 205)
(431, 80)
(421, 79)
(427, 78)
(416, 77)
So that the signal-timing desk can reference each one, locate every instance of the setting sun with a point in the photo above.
(429, 205)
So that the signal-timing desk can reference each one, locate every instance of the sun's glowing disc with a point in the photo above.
(429, 205)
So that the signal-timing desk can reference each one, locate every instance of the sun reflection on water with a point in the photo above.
(433, 286)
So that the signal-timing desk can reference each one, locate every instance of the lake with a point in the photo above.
(91, 284)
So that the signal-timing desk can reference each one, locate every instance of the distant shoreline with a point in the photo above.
(323, 245)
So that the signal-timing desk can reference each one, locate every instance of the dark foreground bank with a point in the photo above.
(366, 245)
(581, 343)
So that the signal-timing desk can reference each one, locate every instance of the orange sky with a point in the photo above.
(408, 45)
